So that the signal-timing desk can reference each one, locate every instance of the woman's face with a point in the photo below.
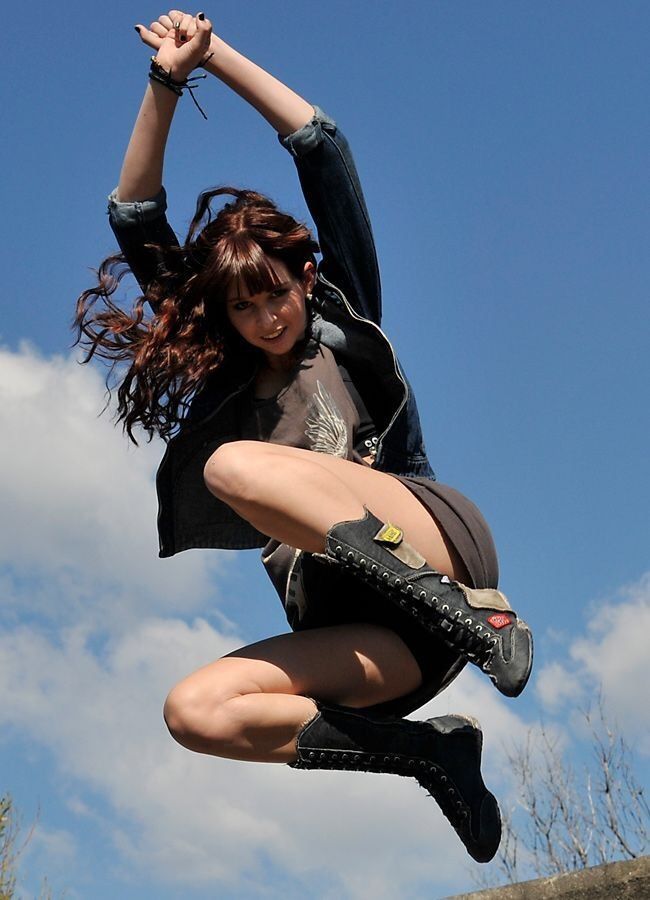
(273, 320)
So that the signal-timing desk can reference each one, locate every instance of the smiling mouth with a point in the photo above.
(275, 334)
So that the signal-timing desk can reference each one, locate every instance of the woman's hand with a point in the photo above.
(181, 41)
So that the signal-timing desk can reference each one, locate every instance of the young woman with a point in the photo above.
(291, 425)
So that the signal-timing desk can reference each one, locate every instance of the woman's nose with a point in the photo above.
(266, 317)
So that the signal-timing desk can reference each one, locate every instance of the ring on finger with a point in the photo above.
(177, 26)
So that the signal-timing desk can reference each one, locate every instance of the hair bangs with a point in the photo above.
(247, 268)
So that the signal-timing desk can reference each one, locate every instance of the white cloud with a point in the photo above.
(78, 534)
(613, 653)
(555, 689)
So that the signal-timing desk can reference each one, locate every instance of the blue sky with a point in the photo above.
(503, 149)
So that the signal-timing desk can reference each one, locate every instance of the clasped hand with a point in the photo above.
(181, 41)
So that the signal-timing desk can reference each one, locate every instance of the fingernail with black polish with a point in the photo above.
(201, 16)
(135, 28)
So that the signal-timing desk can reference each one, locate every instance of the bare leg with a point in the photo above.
(251, 704)
(296, 496)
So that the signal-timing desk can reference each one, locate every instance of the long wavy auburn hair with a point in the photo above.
(158, 362)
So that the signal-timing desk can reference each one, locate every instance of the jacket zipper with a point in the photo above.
(355, 315)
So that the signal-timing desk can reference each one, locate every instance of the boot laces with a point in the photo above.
(475, 639)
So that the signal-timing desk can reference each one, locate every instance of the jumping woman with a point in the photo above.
(291, 426)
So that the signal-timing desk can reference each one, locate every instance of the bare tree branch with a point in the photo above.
(564, 820)
(12, 845)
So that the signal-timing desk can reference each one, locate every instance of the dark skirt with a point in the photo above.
(331, 595)
(464, 526)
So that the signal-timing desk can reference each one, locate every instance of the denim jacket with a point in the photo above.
(347, 319)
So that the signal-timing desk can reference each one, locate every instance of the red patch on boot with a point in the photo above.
(499, 620)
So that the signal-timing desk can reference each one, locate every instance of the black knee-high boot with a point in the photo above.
(443, 755)
(479, 624)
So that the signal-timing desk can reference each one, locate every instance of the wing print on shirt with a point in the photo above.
(326, 428)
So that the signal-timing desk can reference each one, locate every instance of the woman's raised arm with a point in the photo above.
(328, 175)
(282, 108)
(182, 43)
(141, 175)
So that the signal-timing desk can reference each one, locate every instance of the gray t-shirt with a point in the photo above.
(318, 410)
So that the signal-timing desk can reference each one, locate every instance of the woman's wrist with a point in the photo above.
(176, 72)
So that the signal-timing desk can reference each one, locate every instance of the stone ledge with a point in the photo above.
(627, 880)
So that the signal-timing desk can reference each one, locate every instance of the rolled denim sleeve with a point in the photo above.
(143, 233)
(136, 212)
(309, 136)
(332, 191)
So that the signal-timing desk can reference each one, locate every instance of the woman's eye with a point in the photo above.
(243, 304)
(280, 292)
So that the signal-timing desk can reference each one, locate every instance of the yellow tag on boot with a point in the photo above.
(390, 534)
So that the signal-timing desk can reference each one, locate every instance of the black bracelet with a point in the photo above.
(161, 75)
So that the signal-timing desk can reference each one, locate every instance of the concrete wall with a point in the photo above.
(628, 880)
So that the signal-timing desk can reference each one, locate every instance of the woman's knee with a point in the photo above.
(230, 470)
(184, 712)
(197, 715)
(202, 712)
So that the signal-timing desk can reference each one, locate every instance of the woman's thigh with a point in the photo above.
(385, 496)
(355, 664)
